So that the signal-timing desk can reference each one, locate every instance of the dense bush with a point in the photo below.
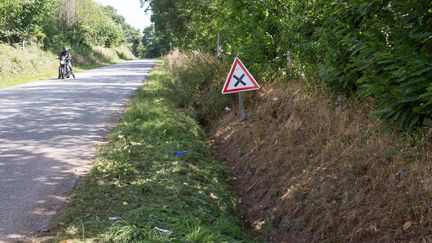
(383, 49)
(20, 20)
(367, 48)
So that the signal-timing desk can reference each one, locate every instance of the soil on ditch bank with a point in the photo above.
(309, 170)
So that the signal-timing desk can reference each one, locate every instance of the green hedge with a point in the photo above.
(369, 48)
(384, 50)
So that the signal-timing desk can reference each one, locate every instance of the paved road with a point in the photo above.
(49, 132)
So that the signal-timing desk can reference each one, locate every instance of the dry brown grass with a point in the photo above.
(307, 174)
(196, 81)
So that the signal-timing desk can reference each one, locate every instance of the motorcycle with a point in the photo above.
(64, 69)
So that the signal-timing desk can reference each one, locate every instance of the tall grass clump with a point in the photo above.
(196, 82)
(124, 52)
(86, 55)
(17, 63)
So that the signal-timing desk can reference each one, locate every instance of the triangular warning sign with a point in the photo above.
(239, 79)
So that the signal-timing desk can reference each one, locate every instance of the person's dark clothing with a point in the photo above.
(65, 54)
(68, 59)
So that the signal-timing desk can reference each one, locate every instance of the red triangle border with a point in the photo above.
(236, 62)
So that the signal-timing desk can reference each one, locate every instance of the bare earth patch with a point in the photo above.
(306, 173)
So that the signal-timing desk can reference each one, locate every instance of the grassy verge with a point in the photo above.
(19, 66)
(45, 75)
(140, 191)
(26, 79)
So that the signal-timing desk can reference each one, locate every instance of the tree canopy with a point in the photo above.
(363, 48)
(53, 23)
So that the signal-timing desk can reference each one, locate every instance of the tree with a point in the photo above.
(21, 19)
(153, 44)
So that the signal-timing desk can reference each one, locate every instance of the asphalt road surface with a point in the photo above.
(49, 134)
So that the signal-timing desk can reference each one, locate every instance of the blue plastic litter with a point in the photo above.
(180, 153)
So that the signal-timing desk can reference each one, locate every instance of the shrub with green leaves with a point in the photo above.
(383, 49)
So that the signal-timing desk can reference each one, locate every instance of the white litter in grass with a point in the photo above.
(163, 230)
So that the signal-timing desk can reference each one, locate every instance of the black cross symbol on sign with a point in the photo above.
(239, 80)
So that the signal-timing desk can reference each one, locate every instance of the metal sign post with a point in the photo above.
(219, 46)
(241, 105)
(239, 80)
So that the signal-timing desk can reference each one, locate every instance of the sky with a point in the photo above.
(131, 11)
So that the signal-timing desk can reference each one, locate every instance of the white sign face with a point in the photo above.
(239, 79)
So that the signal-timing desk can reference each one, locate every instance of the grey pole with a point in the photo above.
(289, 60)
(242, 109)
(219, 46)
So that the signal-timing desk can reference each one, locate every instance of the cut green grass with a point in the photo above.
(140, 191)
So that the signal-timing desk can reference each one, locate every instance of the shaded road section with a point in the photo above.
(49, 134)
